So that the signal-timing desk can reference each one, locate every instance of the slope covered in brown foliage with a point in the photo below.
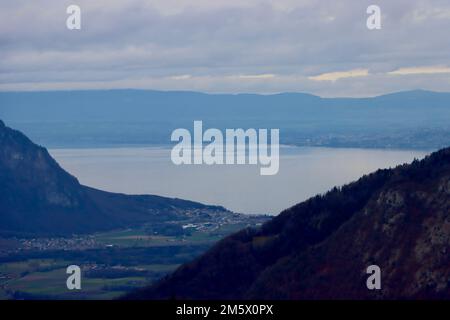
(398, 219)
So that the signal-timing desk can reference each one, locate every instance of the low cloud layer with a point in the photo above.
(334, 76)
(321, 47)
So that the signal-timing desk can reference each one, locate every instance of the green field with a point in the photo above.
(47, 279)
(123, 261)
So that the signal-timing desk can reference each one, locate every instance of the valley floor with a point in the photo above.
(112, 263)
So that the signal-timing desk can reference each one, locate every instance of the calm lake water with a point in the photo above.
(303, 172)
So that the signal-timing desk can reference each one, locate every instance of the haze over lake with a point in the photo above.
(304, 172)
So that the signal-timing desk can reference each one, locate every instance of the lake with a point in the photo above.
(303, 172)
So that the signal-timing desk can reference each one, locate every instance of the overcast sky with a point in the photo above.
(321, 47)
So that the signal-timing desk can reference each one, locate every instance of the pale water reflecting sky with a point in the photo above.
(303, 173)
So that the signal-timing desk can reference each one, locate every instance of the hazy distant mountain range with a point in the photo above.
(37, 197)
(413, 119)
(397, 219)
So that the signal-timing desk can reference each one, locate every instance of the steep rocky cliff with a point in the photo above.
(37, 197)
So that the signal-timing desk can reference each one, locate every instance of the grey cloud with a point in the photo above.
(149, 43)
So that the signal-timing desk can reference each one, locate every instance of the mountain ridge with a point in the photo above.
(397, 218)
(413, 119)
(38, 197)
(300, 93)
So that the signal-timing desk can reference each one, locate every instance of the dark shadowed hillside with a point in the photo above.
(37, 197)
(398, 219)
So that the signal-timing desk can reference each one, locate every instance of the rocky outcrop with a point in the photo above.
(37, 197)
(398, 220)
